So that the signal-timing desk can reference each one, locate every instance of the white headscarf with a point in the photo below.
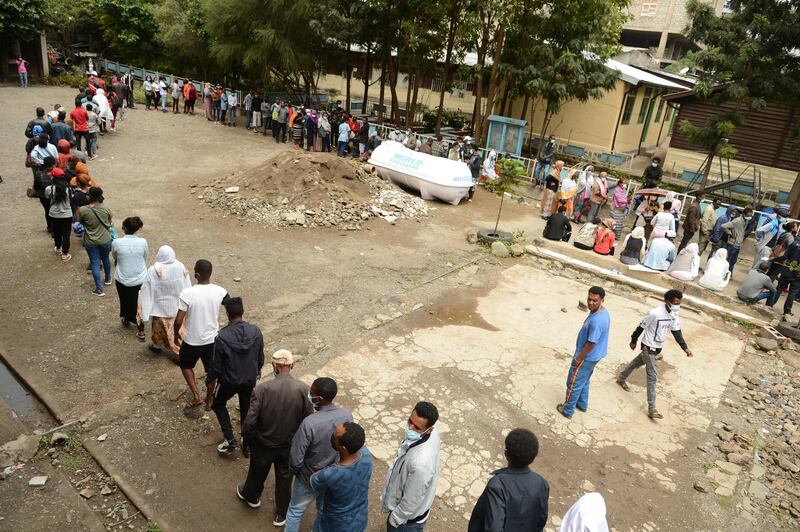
(638, 232)
(588, 514)
(488, 165)
(686, 265)
(103, 109)
(717, 274)
(165, 280)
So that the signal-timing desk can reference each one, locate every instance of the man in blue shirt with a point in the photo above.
(590, 348)
(344, 485)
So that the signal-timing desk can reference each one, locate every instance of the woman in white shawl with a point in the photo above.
(717, 273)
(158, 297)
(489, 172)
(103, 107)
(588, 514)
(686, 265)
(633, 247)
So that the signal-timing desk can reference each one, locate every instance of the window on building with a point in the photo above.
(627, 110)
(648, 95)
(668, 115)
(660, 108)
(649, 8)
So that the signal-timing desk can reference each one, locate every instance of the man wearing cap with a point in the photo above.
(277, 408)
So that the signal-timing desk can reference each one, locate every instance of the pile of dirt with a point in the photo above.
(311, 190)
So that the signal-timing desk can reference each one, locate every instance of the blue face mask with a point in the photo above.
(411, 435)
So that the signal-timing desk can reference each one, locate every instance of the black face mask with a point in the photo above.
(333, 443)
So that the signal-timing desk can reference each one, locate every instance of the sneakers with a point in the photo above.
(250, 504)
(57, 250)
(98, 293)
(228, 447)
(107, 283)
(66, 257)
(279, 520)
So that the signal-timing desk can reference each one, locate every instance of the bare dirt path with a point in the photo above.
(490, 343)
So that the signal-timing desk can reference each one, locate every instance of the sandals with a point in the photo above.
(624, 385)
(192, 407)
(655, 414)
(560, 408)
(140, 336)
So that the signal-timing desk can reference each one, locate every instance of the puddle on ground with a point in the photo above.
(460, 309)
(20, 400)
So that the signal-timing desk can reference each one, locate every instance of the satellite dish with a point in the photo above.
(684, 70)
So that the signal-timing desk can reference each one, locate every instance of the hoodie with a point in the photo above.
(238, 354)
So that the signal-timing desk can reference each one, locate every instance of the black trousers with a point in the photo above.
(261, 460)
(128, 300)
(46, 206)
(82, 135)
(222, 394)
(687, 237)
(62, 227)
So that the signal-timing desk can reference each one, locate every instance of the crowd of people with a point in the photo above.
(651, 246)
(316, 449)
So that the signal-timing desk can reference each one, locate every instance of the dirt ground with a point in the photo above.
(488, 341)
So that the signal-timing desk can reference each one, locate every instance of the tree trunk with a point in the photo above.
(409, 89)
(382, 93)
(544, 129)
(367, 75)
(393, 68)
(525, 108)
(490, 94)
(707, 171)
(794, 197)
(448, 55)
(348, 77)
(412, 111)
(497, 223)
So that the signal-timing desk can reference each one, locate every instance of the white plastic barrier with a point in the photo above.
(434, 177)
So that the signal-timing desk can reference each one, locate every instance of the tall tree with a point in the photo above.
(181, 31)
(21, 20)
(749, 58)
(128, 29)
(454, 12)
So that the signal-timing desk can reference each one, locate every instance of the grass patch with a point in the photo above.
(70, 463)
(151, 527)
(707, 467)
(743, 324)
(725, 501)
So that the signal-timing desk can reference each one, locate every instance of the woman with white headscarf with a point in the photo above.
(158, 297)
(717, 274)
(633, 247)
(588, 514)
(489, 172)
(686, 265)
(103, 108)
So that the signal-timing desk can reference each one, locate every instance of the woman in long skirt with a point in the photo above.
(158, 297)
(619, 206)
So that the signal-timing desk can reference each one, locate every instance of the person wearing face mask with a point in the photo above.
(236, 366)
(198, 306)
(655, 326)
(277, 408)
(311, 451)
(737, 231)
(652, 174)
(411, 482)
(344, 485)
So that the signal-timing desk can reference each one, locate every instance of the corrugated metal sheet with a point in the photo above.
(764, 139)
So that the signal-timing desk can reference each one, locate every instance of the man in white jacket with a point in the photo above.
(411, 482)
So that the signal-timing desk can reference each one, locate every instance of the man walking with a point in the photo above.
(277, 408)
(707, 222)
(248, 109)
(545, 160)
(411, 482)
(236, 366)
(736, 230)
(659, 321)
(515, 497)
(127, 79)
(282, 118)
(590, 348)
(311, 450)
(233, 106)
(344, 485)
(256, 106)
(692, 222)
(198, 306)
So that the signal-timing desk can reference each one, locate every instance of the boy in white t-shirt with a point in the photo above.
(198, 307)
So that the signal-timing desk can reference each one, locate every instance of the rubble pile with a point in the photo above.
(311, 190)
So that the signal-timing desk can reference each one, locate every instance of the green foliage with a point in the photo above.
(151, 527)
(509, 175)
(22, 20)
(451, 118)
(128, 28)
(69, 80)
(181, 31)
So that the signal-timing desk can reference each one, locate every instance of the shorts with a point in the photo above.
(190, 354)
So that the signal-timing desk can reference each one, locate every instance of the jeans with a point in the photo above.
(281, 129)
(342, 148)
(62, 227)
(23, 79)
(248, 119)
(302, 497)
(594, 210)
(224, 392)
(646, 358)
(98, 253)
(163, 101)
(406, 527)
(733, 256)
(578, 386)
(261, 460)
(176, 104)
(232, 116)
(541, 171)
(762, 295)
(82, 135)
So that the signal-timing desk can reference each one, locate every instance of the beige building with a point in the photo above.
(658, 25)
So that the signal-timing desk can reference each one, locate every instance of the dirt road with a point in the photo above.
(490, 343)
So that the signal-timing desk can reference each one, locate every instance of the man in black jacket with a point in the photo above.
(237, 362)
(40, 120)
(558, 226)
(652, 174)
(515, 498)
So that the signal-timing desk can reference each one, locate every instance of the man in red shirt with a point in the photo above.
(80, 125)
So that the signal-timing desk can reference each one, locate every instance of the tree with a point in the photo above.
(182, 33)
(21, 20)
(128, 29)
(749, 58)
(509, 174)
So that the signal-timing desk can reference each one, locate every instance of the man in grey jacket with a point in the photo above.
(276, 410)
(312, 450)
(736, 230)
(411, 482)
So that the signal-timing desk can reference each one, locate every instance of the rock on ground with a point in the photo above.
(499, 249)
